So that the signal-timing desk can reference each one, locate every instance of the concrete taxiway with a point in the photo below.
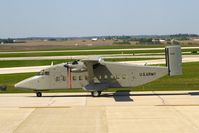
(138, 112)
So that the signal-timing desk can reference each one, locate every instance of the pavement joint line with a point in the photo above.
(24, 120)
(185, 118)
(86, 104)
(51, 101)
(161, 98)
(106, 121)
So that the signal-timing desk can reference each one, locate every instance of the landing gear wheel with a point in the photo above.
(39, 94)
(96, 93)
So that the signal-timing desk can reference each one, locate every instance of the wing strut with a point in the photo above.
(89, 66)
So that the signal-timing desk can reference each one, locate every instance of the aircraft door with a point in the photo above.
(132, 78)
(59, 78)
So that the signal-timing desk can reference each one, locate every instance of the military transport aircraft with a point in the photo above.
(95, 75)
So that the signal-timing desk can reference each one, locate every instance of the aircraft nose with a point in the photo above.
(27, 83)
(20, 85)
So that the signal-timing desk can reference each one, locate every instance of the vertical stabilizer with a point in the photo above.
(173, 60)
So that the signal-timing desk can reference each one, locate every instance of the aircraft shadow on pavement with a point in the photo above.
(194, 93)
(120, 96)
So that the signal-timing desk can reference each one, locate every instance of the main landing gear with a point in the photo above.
(39, 94)
(96, 93)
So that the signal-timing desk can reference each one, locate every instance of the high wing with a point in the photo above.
(92, 59)
(91, 63)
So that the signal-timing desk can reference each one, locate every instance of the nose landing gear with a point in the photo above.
(38, 94)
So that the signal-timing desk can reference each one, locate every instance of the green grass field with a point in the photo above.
(23, 63)
(10, 79)
(188, 81)
(123, 46)
(83, 47)
(77, 53)
(130, 59)
(85, 53)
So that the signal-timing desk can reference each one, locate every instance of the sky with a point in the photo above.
(76, 18)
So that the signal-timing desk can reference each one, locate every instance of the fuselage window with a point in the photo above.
(86, 77)
(63, 78)
(112, 77)
(100, 77)
(57, 79)
(105, 77)
(123, 76)
(74, 77)
(80, 77)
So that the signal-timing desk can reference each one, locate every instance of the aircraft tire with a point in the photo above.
(96, 93)
(39, 94)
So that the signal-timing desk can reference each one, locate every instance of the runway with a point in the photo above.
(137, 112)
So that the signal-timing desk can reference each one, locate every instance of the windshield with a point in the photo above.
(44, 72)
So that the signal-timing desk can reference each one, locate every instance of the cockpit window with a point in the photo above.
(41, 73)
(44, 72)
(47, 73)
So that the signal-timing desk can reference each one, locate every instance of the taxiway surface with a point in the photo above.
(138, 112)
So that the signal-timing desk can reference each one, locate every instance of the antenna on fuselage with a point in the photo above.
(52, 63)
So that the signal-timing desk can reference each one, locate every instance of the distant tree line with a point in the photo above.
(183, 36)
(117, 37)
(7, 40)
(123, 39)
(122, 42)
